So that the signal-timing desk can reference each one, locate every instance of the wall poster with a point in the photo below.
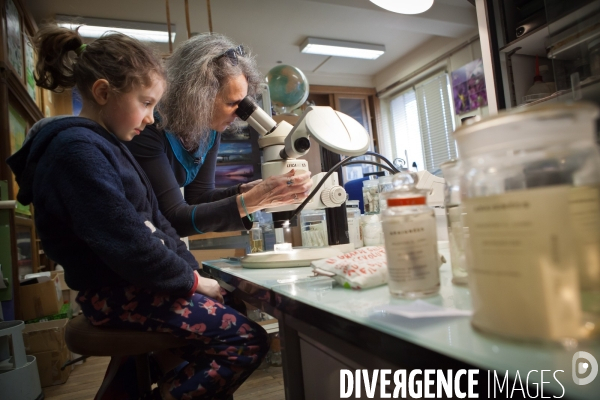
(238, 159)
(29, 69)
(468, 87)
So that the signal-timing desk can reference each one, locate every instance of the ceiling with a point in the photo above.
(274, 29)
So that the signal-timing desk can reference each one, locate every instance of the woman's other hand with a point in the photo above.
(289, 188)
(209, 287)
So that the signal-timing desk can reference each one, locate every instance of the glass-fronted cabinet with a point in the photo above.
(542, 50)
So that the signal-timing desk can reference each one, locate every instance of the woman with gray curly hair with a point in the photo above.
(207, 76)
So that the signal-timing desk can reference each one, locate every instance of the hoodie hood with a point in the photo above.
(24, 162)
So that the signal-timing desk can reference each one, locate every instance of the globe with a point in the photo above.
(288, 87)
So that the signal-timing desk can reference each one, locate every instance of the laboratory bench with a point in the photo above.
(325, 328)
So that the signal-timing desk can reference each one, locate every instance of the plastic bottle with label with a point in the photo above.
(409, 229)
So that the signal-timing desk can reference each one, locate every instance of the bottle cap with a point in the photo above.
(407, 201)
(405, 192)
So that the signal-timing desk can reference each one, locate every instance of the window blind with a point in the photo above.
(436, 122)
(406, 138)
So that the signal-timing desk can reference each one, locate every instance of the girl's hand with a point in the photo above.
(289, 188)
(209, 287)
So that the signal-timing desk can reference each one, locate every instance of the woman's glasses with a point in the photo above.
(233, 54)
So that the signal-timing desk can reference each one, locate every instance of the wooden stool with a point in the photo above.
(88, 340)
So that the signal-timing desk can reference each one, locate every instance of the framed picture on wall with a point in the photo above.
(238, 160)
(29, 70)
(14, 38)
(17, 130)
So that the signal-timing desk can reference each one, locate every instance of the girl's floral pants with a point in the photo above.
(225, 346)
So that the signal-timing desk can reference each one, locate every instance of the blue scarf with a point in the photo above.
(190, 162)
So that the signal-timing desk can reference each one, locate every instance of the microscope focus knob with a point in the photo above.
(333, 196)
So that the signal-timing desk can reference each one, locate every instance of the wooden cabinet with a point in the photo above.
(21, 103)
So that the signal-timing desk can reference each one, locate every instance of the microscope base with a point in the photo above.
(298, 257)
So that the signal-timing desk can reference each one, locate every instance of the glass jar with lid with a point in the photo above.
(385, 185)
(353, 213)
(410, 236)
(313, 228)
(453, 208)
(370, 193)
(530, 189)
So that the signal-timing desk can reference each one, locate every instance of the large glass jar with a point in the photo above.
(531, 192)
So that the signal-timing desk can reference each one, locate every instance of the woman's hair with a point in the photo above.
(123, 61)
(195, 76)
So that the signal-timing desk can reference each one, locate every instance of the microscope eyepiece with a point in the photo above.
(302, 144)
(245, 108)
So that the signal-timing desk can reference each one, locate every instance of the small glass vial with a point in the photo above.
(385, 185)
(451, 171)
(371, 196)
(409, 230)
(353, 212)
(256, 239)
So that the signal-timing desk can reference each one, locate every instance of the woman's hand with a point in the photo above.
(209, 287)
(289, 188)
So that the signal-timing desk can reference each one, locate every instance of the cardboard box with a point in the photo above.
(46, 341)
(49, 364)
(41, 299)
(69, 295)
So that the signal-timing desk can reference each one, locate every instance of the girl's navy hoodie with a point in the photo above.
(95, 211)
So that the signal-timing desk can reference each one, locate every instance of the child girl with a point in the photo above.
(97, 216)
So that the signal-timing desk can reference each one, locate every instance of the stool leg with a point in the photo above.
(142, 365)
(111, 372)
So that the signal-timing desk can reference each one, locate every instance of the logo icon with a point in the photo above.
(580, 367)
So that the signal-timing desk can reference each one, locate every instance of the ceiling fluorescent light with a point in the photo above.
(96, 27)
(404, 6)
(342, 48)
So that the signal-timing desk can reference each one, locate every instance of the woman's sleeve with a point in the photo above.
(187, 219)
(202, 188)
(125, 240)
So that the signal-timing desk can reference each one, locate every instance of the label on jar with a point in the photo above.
(523, 270)
(584, 208)
(411, 249)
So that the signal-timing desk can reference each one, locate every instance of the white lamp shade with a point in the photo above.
(404, 6)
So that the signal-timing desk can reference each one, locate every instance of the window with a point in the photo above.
(422, 124)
